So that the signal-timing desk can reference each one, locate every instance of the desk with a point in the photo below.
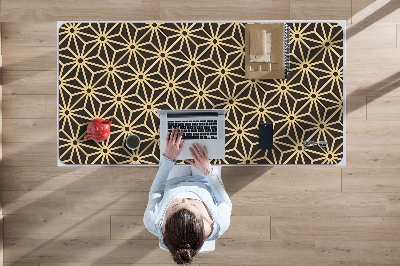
(128, 70)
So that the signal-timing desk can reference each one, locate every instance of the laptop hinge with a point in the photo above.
(194, 114)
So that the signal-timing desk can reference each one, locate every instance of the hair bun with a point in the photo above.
(183, 255)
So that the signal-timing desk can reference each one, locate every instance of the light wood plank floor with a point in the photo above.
(281, 215)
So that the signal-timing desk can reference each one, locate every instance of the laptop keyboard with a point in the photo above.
(196, 129)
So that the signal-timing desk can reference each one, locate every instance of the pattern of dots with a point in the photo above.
(128, 70)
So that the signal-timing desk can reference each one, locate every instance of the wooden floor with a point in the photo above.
(281, 215)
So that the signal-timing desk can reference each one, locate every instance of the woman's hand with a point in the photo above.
(200, 159)
(174, 144)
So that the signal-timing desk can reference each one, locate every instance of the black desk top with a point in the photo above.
(128, 70)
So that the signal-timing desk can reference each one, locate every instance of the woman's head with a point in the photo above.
(184, 235)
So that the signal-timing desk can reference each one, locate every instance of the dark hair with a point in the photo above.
(184, 235)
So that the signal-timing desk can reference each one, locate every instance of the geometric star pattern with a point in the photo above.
(129, 70)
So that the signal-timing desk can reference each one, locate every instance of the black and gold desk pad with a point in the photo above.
(128, 70)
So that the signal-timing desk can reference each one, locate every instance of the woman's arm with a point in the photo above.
(223, 202)
(156, 194)
(167, 162)
(222, 199)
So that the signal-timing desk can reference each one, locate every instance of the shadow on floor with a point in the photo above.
(382, 12)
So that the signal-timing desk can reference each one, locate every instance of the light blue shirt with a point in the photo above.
(209, 188)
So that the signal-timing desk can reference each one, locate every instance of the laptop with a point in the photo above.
(205, 127)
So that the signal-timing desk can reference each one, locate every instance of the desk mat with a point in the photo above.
(128, 70)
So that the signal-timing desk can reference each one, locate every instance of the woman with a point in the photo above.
(187, 204)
